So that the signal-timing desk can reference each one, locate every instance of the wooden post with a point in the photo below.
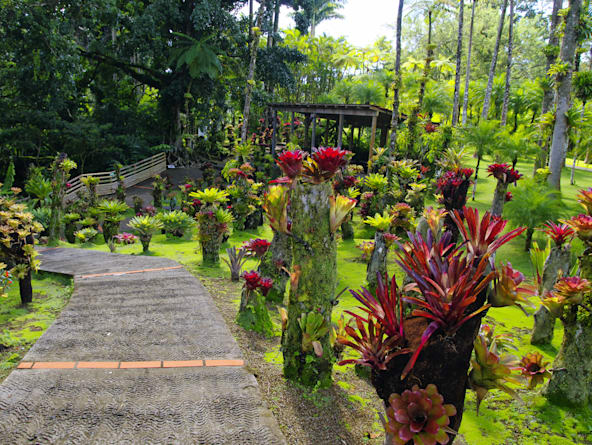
(351, 137)
(383, 136)
(327, 123)
(274, 116)
(340, 131)
(372, 137)
(306, 126)
(292, 125)
(314, 131)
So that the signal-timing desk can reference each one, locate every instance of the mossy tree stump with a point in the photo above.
(313, 284)
(377, 264)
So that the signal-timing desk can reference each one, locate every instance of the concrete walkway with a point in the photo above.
(184, 382)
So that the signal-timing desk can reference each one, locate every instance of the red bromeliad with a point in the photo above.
(291, 162)
(582, 224)
(509, 196)
(265, 285)
(252, 280)
(257, 247)
(329, 159)
(375, 346)
(504, 173)
(483, 236)
(453, 186)
(559, 233)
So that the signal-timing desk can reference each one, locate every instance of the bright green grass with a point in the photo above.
(501, 419)
(21, 326)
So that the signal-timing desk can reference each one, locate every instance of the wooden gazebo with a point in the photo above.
(355, 116)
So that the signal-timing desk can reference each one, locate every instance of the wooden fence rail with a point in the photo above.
(132, 174)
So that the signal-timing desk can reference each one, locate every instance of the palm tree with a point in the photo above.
(508, 67)
(436, 100)
(531, 206)
(486, 101)
(344, 90)
(563, 82)
(397, 82)
(455, 102)
(468, 74)
(309, 13)
(547, 82)
(482, 138)
(368, 93)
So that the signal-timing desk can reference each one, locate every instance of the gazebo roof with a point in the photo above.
(353, 114)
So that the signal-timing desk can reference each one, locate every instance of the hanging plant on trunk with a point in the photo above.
(557, 263)
(17, 243)
(315, 214)
(451, 292)
(158, 188)
(213, 221)
(91, 182)
(453, 187)
(252, 313)
(377, 264)
(112, 213)
(505, 176)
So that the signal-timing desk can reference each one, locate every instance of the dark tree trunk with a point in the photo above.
(509, 70)
(377, 264)
(397, 83)
(468, 74)
(26, 288)
(528, 243)
(456, 101)
(499, 198)
(489, 88)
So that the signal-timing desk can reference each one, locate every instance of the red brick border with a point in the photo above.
(130, 365)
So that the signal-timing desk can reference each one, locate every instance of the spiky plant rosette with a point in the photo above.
(582, 224)
(340, 206)
(275, 205)
(419, 415)
(324, 163)
(504, 173)
(567, 290)
(257, 247)
(534, 369)
(290, 162)
(367, 247)
(585, 199)
(125, 238)
(559, 233)
(265, 286)
(252, 279)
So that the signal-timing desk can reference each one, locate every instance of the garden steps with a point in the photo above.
(139, 355)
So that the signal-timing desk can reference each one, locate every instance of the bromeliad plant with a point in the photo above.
(158, 188)
(17, 243)
(112, 213)
(505, 176)
(91, 182)
(70, 226)
(252, 313)
(453, 187)
(176, 223)
(86, 235)
(125, 238)
(145, 227)
(212, 221)
(236, 260)
(448, 293)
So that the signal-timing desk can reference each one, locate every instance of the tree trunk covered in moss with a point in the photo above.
(544, 323)
(26, 288)
(571, 383)
(313, 286)
(377, 264)
(275, 264)
(210, 251)
(57, 202)
(110, 229)
(69, 233)
(253, 314)
(499, 198)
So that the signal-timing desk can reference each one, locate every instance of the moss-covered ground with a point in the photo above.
(21, 326)
(501, 420)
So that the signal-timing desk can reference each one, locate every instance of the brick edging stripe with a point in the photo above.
(107, 274)
(131, 365)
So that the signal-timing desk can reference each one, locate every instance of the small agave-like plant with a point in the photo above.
(313, 327)
(275, 205)
(210, 195)
(490, 371)
(508, 288)
(340, 208)
(376, 182)
(559, 233)
(419, 415)
(534, 369)
(236, 260)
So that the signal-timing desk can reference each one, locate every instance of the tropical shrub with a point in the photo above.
(111, 211)
(212, 222)
(43, 216)
(176, 223)
(236, 260)
(60, 172)
(145, 227)
(17, 241)
(91, 182)
(253, 314)
(70, 226)
(39, 187)
(86, 235)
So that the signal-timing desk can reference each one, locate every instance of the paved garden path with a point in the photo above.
(139, 355)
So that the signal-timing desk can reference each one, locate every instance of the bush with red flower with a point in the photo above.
(253, 314)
